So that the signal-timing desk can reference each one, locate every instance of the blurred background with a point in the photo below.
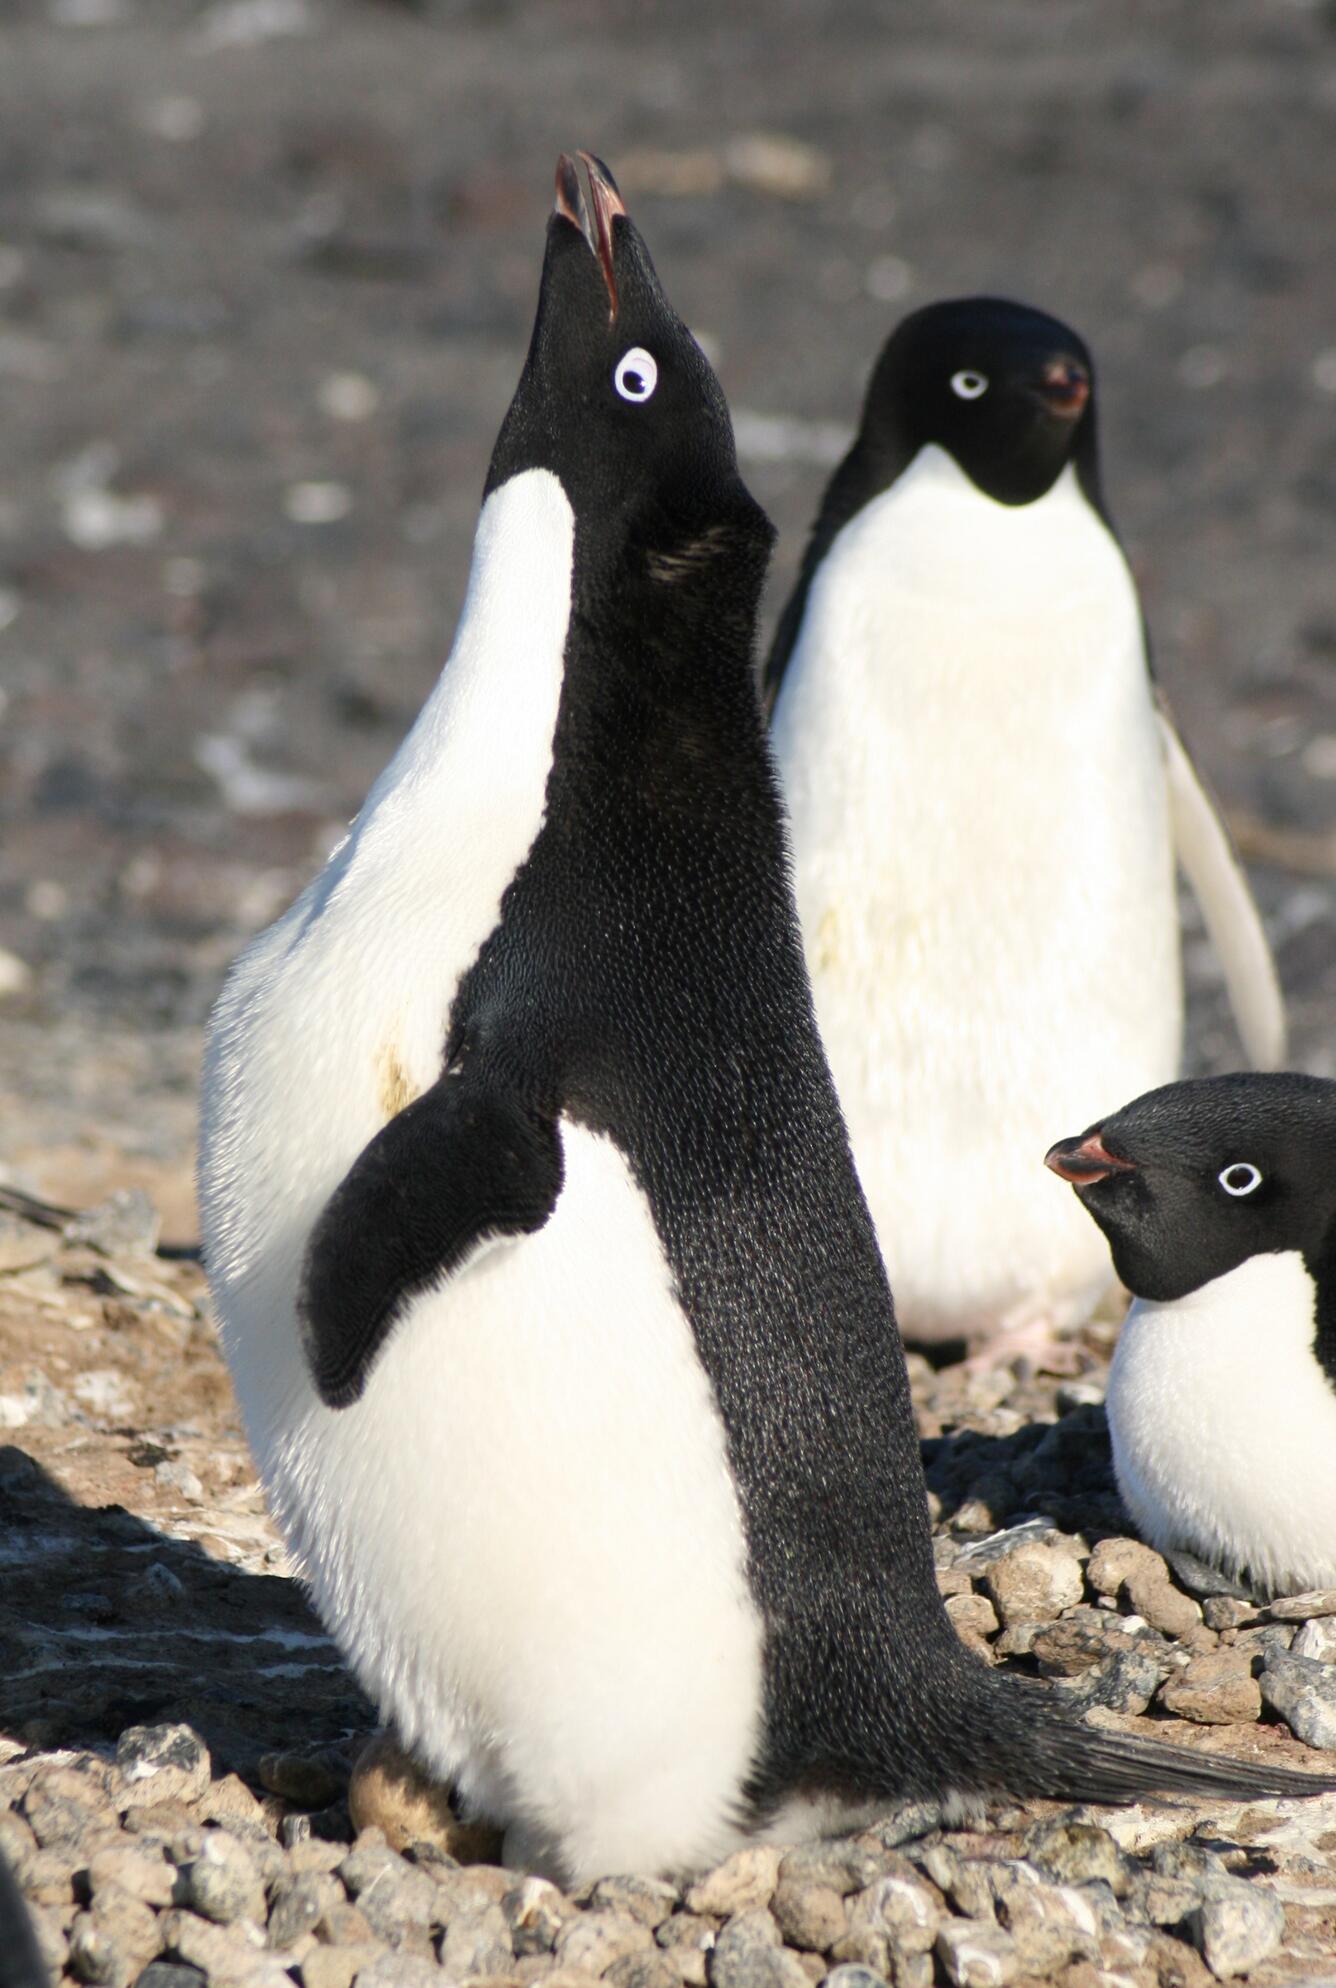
(267, 269)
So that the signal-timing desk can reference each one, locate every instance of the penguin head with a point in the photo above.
(1190, 1181)
(618, 401)
(1007, 391)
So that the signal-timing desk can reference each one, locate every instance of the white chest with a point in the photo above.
(1224, 1426)
(984, 871)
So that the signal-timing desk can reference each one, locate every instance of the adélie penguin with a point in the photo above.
(555, 1313)
(1218, 1198)
(986, 799)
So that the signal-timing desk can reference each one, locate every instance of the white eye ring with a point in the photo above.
(1240, 1177)
(637, 375)
(969, 385)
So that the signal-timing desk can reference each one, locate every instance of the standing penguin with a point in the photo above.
(1218, 1198)
(985, 806)
(554, 1310)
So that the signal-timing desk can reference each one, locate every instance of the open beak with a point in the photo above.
(1064, 388)
(607, 205)
(1083, 1161)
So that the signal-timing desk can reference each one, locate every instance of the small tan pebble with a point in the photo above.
(975, 1954)
(810, 1916)
(229, 1800)
(344, 1926)
(1034, 1583)
(389, 1791)
(399, 1970)
(1318, 1640)
(336, 1967)
(953, 1581)
(44, 1877)
(477, 1940)
(315, 1854)
(650, 1900)
(741, 1883)
(592, 1941)
(221, 1882)
(1164, 1606)
(1227, 1612)
(1303, 1608)
(159, 1820)
(163, 1763)
(535, 1912)
(571, 1977)
(973, 1612)
(143, 1873)
(1215, 1689)
(1114, 1560)
(651, 1969)
(904, 1909)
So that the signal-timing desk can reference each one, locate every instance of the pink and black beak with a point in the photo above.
(607, 204)
(1085, 1160)
(1064, 387)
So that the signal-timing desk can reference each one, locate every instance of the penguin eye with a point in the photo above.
(637, 375)
(1240, 1178)
(969, 385)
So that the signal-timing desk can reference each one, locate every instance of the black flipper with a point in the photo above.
(460, 1164)
(21, 1963)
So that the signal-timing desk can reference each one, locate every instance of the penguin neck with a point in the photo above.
(482, 742)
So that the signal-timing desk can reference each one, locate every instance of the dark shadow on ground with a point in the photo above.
(1061, 1471)
(106, 1622)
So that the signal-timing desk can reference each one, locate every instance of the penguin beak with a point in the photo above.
(1064, 388)
(1084, 1160)
(608, 204)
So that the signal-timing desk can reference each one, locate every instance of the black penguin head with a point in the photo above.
(1190, 1181)
(619, 402)
(1005, 390)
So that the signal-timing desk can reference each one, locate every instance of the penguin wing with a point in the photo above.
(461, 1164)
(1221, 889)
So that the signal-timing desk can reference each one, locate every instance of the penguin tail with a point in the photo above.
(1043, 1750)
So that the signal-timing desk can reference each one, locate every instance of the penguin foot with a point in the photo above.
(1030, 1335)
(389, 1789)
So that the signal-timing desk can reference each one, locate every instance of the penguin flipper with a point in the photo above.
(459, 1165)
(1228, 907)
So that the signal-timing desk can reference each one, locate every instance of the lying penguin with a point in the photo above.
(554, 1309)
(964, 645)
(1218, 1198)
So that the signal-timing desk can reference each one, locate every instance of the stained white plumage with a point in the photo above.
(456, 1524)
(1224, 1425)
(980, 824)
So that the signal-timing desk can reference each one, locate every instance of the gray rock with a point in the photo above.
(648, 1900)
(650, 1969)
(170, 1974)
(535, 1911)
(1049, 1923)
(963, 1879)
(1125, 1681)
(221, 1883)
(841, 1864)
(477, 1940)
(1303, 1691)
(1078, 1852)
(399, 1970)
(93, 1955)
(1034, 1582)
(388, 1890)
(975, 1954)
(592, 1941)
(1163, 1901)
(810, 1916)
(905, 1823)
(748, 1954)
(1237, 1928)
(901, 1908)
(741, 1883)
(163, 1763)
(1317, 1639)
(849, 1974)
(297, 1904)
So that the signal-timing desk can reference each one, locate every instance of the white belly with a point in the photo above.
(984, 876)
(526, 1537)
(1224, 1427)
